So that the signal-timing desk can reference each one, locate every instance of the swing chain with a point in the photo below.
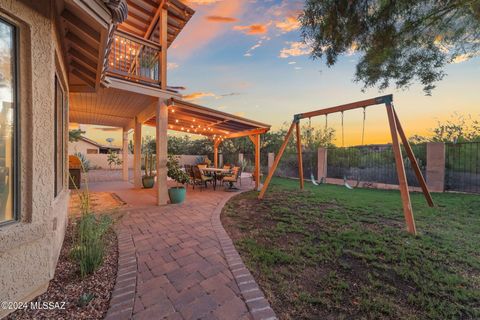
(343, 137)
(363, 126)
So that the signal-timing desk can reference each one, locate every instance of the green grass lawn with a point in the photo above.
(332, 253)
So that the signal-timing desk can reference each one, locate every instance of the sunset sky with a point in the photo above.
(246, 58)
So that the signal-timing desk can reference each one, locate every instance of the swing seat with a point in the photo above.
(315, 182)
(345, 183)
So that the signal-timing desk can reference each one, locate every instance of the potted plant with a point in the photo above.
(148, 179)
(177, 194)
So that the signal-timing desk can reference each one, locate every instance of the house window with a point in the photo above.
(8, 110)
(59, 137)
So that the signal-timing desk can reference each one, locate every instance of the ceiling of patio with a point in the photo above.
(143, 16)
(108, 107)
(191, 118)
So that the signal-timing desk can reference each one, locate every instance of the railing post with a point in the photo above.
(436, 166)
(322, 163)
(162, 56)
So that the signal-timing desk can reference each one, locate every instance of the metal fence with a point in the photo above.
(372, 164)
(288, 165)
(462, 167)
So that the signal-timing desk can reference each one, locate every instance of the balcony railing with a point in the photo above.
(134, 59)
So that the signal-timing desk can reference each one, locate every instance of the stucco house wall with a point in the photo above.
(29, 247)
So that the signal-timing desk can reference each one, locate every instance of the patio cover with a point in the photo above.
(195, 119)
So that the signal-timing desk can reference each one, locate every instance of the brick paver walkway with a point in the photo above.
(177, 262)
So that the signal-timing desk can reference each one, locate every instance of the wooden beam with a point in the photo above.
(257, 161)
(81, 26)
(83, 69)
(163, 40)
(277, 160)
(216, 143)
(83, 59)
(402, 178)
(413, 161)
(84, 78)
(81, 44)
(345, 107)
(246, 133)
(299, 155)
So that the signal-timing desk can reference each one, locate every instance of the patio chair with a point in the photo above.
(231, 179)
(199, 178)
(189, 171)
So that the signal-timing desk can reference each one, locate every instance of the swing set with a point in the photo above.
(396, 130)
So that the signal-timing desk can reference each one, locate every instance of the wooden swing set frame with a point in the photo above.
(395, 130)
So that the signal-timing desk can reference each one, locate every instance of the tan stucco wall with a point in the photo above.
(80, 146)
(29, 248)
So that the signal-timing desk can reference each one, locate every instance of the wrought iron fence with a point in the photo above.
(462, 167)
(288, 165)
(372, 164)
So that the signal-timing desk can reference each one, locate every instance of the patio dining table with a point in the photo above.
(216, 171)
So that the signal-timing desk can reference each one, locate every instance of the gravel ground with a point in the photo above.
(67, 288)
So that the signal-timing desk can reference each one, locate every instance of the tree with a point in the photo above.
(459, 128)
(75, 135)
(400, 41)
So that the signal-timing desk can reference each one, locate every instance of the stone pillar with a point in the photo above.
(322, 163)
(137, 154)
(162, 141)
(436, 166)
(240, 158)
(220, 160)
(271, 159)
(125, 156)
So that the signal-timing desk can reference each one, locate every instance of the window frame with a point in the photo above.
(59, 113)
(16, 138)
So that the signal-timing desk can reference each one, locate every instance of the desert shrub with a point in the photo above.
(89, 247)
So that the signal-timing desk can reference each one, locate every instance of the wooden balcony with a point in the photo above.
(135, 59)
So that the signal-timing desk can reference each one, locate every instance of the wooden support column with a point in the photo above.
(161, 152)
(163, 39)
(277, 160)
(257, 161)
(299, 155)
(413, 160)
(216, 143)
(402, 178)
(137, 154)
(125, 155)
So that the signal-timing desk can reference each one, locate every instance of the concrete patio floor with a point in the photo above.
(177, 262)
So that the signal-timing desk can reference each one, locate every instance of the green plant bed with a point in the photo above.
(332, 253)
(177, 194)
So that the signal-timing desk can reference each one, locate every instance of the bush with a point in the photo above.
(89, 245)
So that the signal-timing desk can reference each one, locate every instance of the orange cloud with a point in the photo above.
(253, 29)
(289, 24)
(198, 95)
(199, 32)
(221, 19)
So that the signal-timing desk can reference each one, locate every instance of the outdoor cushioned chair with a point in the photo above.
(236, 173)
(189, 171)
(199, 178)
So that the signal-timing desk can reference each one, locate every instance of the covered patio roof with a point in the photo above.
(191, 118)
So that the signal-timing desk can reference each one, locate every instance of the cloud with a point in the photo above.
(253, 29)
(254, 47)
(230, 94)
(188, 43)
(289, 24)
(292, 62)
(462, 58)
(240, 114)
(172, 65)
(221, 19)
(198, 95)
(296, 49)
